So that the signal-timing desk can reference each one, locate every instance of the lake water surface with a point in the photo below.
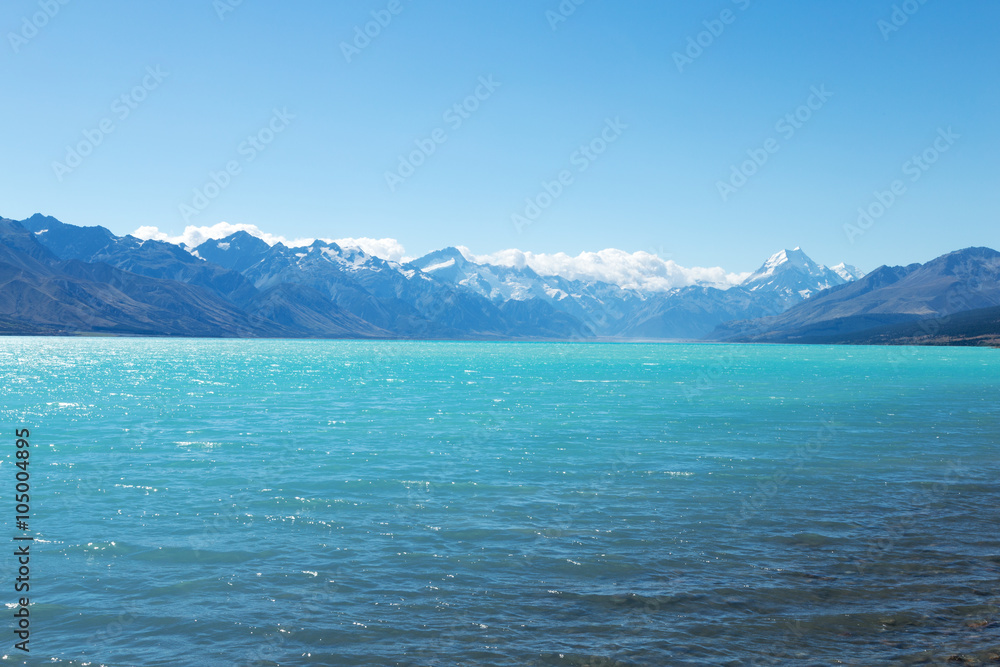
(224, 502)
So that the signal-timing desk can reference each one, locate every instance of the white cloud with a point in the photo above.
(389, 249)
(195, 236)
(638, 270)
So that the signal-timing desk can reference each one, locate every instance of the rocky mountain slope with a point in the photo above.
(957, 282)
(786, 279)
(59, 278)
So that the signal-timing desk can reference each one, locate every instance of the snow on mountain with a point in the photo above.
(387, 295)
(602, 305)
(389, 249)
(888, 301)
(640, 271)
(784, 261)
(786, 279)
(86, 279)
(611, 291)
(847, 272)
(794, 277)
(496, 283)
(194, 236)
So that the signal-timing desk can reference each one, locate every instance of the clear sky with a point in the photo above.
(200, 77)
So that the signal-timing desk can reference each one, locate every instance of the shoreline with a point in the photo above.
(991, 343)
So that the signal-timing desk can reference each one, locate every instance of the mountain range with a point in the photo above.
(958, 282)
(64, 279)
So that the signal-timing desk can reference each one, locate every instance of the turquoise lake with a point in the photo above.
(258, 502)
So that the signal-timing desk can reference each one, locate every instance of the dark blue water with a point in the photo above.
(355, 503)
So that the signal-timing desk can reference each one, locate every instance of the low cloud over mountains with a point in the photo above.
(638, 270)
(237, 281)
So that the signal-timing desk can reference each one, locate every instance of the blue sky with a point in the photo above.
(200, 80)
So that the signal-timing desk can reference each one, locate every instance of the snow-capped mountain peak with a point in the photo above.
(784, 260)
(848, 272)
(497, 283)
(794, 276)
